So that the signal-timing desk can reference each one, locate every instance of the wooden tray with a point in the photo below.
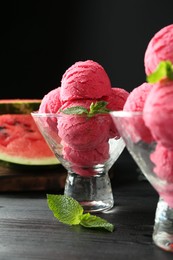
(32, 179)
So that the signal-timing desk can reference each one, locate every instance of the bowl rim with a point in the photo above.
(123, 113)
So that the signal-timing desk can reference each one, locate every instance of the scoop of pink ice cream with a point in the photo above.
(51, 102)
(81, 132)
(134, 103)
(83, 161)
(85, 80)
(137, 97)
(88, 157)
(163, 161)
(116, 101)
(158, 112)
(160, 48)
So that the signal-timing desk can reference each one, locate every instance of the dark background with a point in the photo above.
(44, 38)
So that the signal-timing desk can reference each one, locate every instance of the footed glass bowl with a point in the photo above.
(156, 163)
(87, 148)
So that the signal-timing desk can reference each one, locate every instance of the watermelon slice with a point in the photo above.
(22, 143)
(19, 106)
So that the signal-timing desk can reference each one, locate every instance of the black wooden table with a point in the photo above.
(28, 229)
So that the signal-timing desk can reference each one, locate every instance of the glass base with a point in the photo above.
(94, 193)
(163, 226)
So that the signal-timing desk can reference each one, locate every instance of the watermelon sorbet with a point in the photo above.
(85, 139)
(136, 126)
(83, 160)
(82, 133)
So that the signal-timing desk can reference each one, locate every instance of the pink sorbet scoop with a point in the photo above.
(160, 48)
(135, 103)
(85, 80)
(158, 112)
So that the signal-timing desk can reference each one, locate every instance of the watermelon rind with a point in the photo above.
(19, 106)
(6, 159)
(18, 166)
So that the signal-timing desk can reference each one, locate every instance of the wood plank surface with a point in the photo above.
(32, 178)
(28, 229)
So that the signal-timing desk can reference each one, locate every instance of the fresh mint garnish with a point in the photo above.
(92, 221)
(77, 110)
(98, 107)
(68, 211)
(65, 209)
(164, 70)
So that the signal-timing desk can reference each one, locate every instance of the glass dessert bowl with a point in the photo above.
(156, 163)
(87, 148)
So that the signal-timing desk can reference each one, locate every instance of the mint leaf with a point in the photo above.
(98, 107)
(65, 209)
(91, 221)
(68, 211)
(77, 110)
(164, 70)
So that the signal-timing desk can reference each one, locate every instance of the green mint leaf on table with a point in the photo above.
(98, 107)
(65, 209)
(164, 70)
(92, 221)
(68, 211)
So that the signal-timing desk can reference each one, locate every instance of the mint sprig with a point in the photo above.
(164, 70)
(68, 211)
(98, 107)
